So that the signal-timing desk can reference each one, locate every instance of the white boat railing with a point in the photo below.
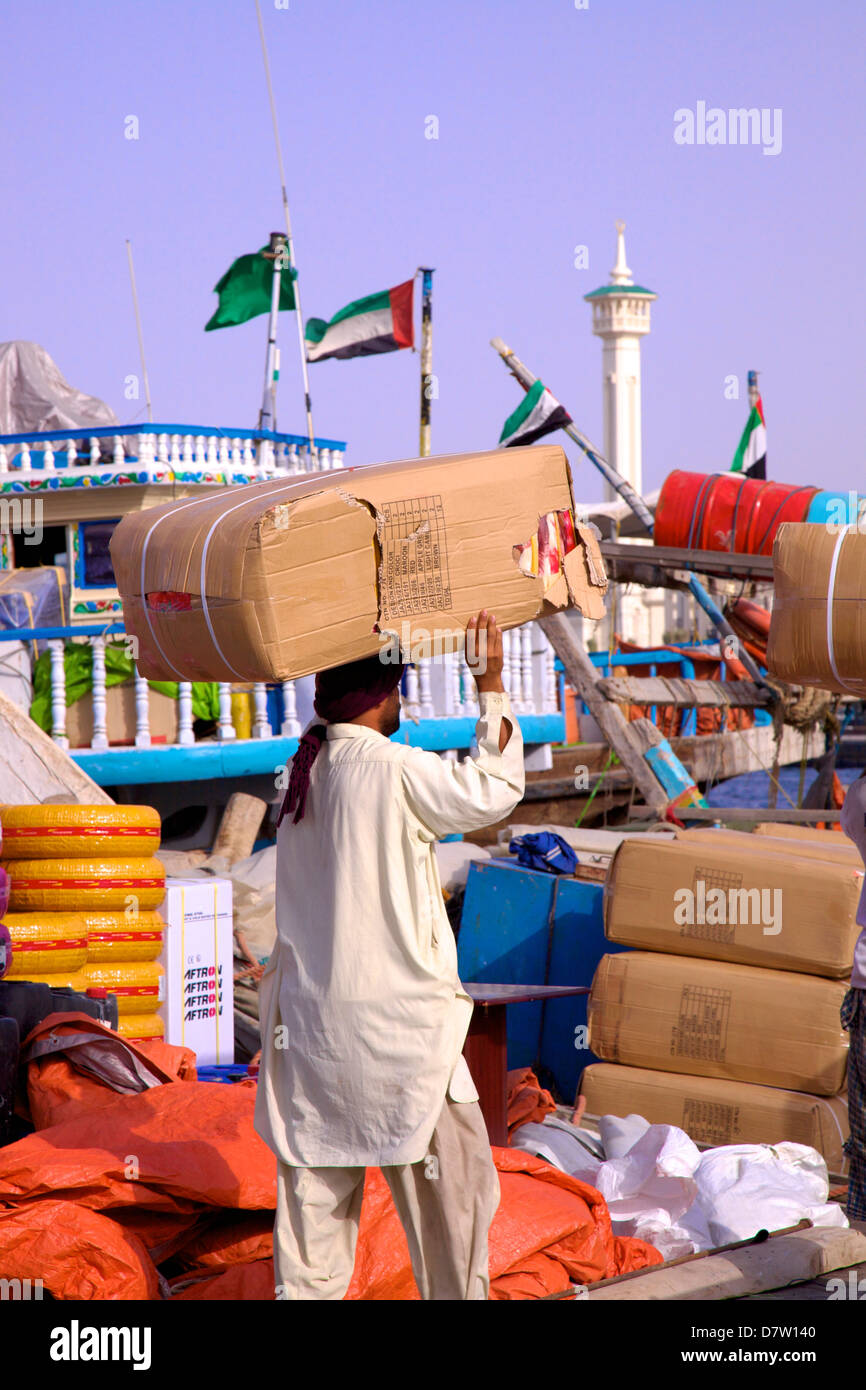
(165, 453)
(435, 690)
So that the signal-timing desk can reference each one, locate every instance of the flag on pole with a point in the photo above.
(245, 290)
(751, 455)
(378, 323)
(539, 413)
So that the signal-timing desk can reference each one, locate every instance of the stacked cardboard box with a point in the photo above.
(725, 1019)
(298, 575)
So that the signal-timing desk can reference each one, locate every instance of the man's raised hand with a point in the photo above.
(484, 653)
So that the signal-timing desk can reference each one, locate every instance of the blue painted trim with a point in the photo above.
(81, 583)
(255, 757)
(109, 432)
(199, 762)
(439, 734)
(44, 634)
(659, 655)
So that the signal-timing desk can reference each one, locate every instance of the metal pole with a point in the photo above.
(426, 357)
(268, 412)
(638, 506)
(138, 330)
(290, 245)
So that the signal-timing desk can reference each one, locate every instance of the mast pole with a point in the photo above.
(616, 481)
(138, 330)
(426, 357)
(290, 245)
(637, 504)
(268, 413)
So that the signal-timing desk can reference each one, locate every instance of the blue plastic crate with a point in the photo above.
(522, 927)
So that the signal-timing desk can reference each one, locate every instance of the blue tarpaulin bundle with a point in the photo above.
(32, 598)
(544, 851)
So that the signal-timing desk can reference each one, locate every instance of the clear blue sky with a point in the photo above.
(553, 122)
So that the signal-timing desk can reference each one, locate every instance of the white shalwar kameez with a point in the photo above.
(363, 1016)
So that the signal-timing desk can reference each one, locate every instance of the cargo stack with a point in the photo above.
(84, 889)
(724, 1019)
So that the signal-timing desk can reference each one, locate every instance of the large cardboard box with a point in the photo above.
(721, 1112)
(783, 831)
(709, 1018)
(276, 580)
(198, 959)
(818, 626)
(837, 847)
(706, 896)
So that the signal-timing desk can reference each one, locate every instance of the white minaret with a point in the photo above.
(621, 317)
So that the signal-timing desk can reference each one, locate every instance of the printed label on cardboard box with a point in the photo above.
(702, 1028)
(414, 572)
(710, 1122)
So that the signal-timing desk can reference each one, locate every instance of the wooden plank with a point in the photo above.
(663, 690)
(33, 769)
(781, 1261)
(583, 677)
(714, 757)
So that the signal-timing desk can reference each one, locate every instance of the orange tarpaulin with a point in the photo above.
(527, 1100)
(76, 1253)
(86, 1196)
(550, 1231)
(58, 1089)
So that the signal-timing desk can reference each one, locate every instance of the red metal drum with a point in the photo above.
(775, 503)
(726, 511)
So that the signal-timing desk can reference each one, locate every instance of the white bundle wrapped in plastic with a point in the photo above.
(661, 1188)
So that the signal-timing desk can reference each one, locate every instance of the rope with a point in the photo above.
(594, 790)
(768, 771)
(797, 707)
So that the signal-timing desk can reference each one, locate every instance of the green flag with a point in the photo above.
(245, 290)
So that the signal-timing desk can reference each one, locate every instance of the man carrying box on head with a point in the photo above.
(363, 1013)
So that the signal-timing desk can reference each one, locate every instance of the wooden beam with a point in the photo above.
(616, 779)
(778, 1262)
(583, 677)
(665, 690)
(625, 563)
(790, 815)
(715, 757)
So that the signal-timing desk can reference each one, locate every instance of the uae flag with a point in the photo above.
(539, 413)
(751, 455)
(245, 290)
(378, 323)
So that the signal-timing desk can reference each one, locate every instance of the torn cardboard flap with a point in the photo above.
(276, 580)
